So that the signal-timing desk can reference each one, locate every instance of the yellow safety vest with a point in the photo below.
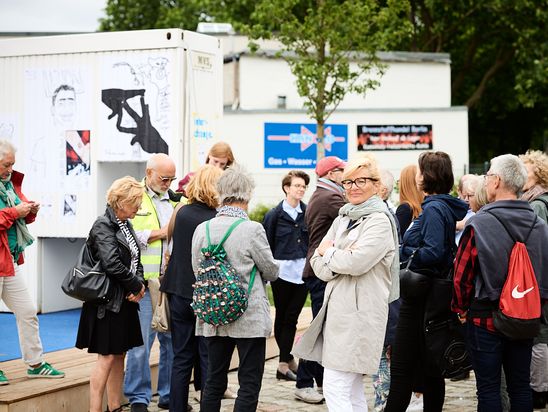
(147, 219)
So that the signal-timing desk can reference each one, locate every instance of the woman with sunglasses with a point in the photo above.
(288, 238)
(359, 261)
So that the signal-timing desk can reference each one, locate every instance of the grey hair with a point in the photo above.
(511, 170)
(6, 148)
(155, 159)
(235, 185)
(387, 180)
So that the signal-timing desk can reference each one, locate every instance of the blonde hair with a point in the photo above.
(539, 161)
(203, 186)
(409, 193)
(481, 193)
(221, 149)
(125, 190)
(365, 161)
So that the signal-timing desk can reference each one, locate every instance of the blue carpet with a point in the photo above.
(57, 331)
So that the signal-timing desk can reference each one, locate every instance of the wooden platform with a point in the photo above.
(71, 393)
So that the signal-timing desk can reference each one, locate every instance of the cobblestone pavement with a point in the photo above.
(277, 396)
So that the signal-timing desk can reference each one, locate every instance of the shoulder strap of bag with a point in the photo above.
(226, 235)
(508, 231)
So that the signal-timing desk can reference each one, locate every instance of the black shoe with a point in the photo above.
(539, 400)
(463, 376)
(163, 405)
(288, 376)
(139, 407)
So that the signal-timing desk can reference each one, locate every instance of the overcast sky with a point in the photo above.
(50, 15)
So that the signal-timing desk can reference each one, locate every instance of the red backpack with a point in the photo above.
(519, 312)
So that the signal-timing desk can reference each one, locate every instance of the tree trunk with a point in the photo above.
(320, 148)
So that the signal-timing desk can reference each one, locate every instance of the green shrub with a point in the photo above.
(257, 214)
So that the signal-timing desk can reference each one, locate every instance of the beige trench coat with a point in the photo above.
(348, 333)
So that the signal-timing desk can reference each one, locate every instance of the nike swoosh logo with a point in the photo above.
(516, 294)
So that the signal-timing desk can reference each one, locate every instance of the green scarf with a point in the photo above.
(18, 235)
(375, 205)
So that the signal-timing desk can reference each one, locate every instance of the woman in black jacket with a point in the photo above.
(430, 243)
(177, 283)
(288, 238)
(111, 330)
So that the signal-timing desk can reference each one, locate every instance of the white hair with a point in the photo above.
(235, 185)
(387, 180)
(156, 158)
(511, 170)
(6, 148)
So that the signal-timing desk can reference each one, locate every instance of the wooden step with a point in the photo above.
(71, 393)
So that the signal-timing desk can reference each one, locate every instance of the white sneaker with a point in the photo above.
(308, 395)
(416, 403)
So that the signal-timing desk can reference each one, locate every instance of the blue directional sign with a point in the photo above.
(293, 145)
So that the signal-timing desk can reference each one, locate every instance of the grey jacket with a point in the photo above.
(245, 247)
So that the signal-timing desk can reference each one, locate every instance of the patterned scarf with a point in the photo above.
(23, 238)
(533, 193)
(232, 211)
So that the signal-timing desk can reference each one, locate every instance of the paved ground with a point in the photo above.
(277, 396)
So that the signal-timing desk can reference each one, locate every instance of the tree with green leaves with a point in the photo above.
(499, 67)
(319, 42)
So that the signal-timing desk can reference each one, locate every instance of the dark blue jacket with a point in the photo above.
(288, 238)
(434, 232)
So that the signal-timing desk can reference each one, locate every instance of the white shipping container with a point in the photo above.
(84, 110)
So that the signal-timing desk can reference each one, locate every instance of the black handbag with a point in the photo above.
(87, 281)
(443, 332)
(413, 285)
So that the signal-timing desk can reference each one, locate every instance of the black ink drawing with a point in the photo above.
(144, 133)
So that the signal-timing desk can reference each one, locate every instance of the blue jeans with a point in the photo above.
(309, 371)
(185, 347)
(490, 352)
(137, 382)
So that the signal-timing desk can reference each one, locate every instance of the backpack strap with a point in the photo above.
(226, 235)
(508, 231)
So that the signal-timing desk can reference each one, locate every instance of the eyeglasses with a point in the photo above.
(485, 176)
(468, 196)
(360, 182)
(167, 179)
(337, 170)
(300, 186)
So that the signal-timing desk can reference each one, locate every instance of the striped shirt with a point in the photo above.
(133, 247)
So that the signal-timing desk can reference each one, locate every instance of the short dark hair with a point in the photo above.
(437, 172)
(56, 92)
(286, 181)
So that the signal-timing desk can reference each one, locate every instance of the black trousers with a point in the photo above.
(289, 300)
(309, 370)
(251, 352)
(408, 364)
(188, 350)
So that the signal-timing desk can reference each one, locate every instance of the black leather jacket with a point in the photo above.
(109, 245)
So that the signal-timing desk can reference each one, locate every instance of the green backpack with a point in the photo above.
(219, 297)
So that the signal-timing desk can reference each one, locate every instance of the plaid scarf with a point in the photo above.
(23, 238)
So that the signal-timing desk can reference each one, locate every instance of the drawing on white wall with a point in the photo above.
(57, 105)
(143, 132)
(136, 120)
(77, 152)
(70, 205)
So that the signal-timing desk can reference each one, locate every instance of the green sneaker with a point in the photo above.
(3, 379)
(45, 370)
